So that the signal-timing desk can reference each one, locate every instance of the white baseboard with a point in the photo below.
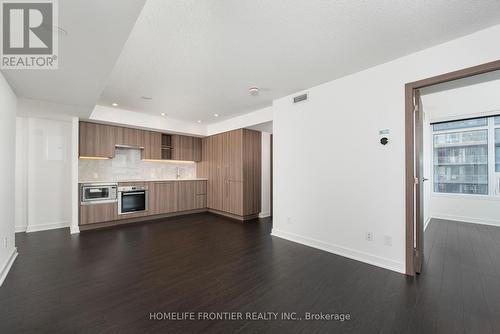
(4, 270)
(264, 214)
(342, 251)
(491, 222)
(45, 227)
(20, 229)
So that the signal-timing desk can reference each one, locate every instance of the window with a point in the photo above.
(461, 157)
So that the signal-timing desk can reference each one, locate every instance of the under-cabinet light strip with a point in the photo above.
(168, 161)
(94, 158)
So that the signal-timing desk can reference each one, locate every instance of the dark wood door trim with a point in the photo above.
(410, 150)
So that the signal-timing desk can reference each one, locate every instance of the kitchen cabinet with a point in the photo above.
(98, 213)
(100, 141)
(233, 162)
(131, 137)
(152, 146)
(186, 148)
(192, 195)
(163, 197)
(96, 140)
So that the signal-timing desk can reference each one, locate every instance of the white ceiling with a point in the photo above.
(197, 58)
(97, 31)
(263, 127)
(469, 97)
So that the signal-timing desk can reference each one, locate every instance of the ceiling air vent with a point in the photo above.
(300, 98)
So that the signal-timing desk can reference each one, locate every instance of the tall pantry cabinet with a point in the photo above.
(232, 163)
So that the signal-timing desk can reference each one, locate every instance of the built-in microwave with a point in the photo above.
(132, 199)
(98, 193)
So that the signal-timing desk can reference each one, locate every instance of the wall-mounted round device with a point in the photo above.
(384, 141)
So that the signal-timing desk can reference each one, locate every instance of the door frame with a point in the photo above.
(411, 167)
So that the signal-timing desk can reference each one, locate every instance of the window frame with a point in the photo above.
(489, 127)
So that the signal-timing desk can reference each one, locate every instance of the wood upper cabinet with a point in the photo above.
(99, 140)
(186, 148)
(131, 137)
(152, 145)
(98, 213)
(96, 140)
(163, 197)
(197, 149)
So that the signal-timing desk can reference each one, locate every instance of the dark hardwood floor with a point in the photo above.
(110, 281)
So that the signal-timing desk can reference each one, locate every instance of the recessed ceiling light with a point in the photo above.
(199, 121)
(163, 114)
(216, 115)
(114, 104)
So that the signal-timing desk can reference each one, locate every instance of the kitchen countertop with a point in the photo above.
(147, 180)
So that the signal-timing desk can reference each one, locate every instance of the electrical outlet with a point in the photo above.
(369, 236)
(387, 240)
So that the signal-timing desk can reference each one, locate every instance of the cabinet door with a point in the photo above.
(163, 197)
(218, 177)
(152, 145)
(235, 197)
(181, 148)
(186, 148)
(96, 140)
(202, 167)
(197, 149)
(201, 201)
(235, 155)
(201, 187)
(132, 137)
(98, 213)
(187, 195)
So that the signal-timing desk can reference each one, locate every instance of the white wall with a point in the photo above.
(244, 121)
(266, 176)
(21, 211)
(8, 105)
(471, 97)
(333, 181)
(48, 184)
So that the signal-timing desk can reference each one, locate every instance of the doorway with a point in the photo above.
(414, 146)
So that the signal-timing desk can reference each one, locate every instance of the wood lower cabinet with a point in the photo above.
(98, 213)
(233, 165)
(192, 195)
(163, 197)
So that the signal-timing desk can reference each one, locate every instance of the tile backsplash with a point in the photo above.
(127, 165)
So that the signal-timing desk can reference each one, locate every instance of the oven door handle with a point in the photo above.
(131, 194)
